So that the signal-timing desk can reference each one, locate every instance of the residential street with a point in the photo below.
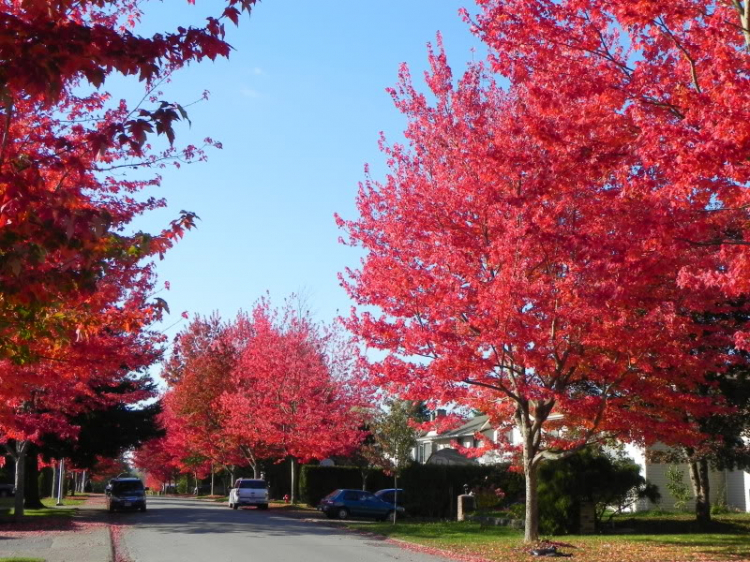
(177, 529)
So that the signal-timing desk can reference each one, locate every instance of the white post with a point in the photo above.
(60, 480)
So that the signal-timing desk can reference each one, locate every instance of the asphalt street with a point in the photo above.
(179, 530)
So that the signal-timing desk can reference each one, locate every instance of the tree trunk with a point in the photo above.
(19, 454)
(293, 493)
(31, 492)
(364, 474)
(256, 470)
(213, 475)
(699, 479)
(395, 496)
(53, 495)
(230, 471)
(531, 477)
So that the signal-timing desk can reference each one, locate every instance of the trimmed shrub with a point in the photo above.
(589, 475)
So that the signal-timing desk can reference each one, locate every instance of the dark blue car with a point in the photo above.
(392, 496)
(342, 504)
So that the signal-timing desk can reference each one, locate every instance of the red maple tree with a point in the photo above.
(157, 461)
(198, 373)
(76, 283)
(667, 85)
(515, 275)
(295, 391)
(65, 145)
(82, 372)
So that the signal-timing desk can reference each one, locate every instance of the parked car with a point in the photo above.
(343, 503)
(249, 491)
(7, 490)
(392, 496)
(125, 493)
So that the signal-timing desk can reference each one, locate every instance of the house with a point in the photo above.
(734, 484)
(466, 436)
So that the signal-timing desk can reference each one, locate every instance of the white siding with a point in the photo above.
(657, 474)
(738, 489)
(637, 453)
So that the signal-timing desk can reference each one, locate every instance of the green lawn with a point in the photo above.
(502, 544)
(21, 559)
(50, 509)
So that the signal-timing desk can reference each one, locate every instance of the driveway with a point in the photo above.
(179, 530)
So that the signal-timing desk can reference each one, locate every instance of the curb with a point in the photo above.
(112, 551)
(406, 545)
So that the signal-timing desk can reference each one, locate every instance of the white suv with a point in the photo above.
(249, 491)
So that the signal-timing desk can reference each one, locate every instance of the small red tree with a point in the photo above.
(507, 265)
(199, 372)
(155, 458)
(295, 391)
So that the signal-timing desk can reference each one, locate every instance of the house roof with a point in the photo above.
(468, 429)
(475, 424)
(450, 457)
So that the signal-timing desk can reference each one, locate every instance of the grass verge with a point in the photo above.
(503, 544)
(50, 509)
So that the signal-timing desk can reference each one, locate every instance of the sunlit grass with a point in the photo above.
(504, 544)
(50, 510)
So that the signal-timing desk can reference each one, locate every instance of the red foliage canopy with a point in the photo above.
(64, 201)
(294, 388)
(672, 82)
(511, 258)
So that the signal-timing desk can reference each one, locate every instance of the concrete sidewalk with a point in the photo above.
(84, 537)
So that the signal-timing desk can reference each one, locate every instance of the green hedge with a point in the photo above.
(316, 482)
(431, 490)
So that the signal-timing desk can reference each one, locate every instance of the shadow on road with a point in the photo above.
(186, 516)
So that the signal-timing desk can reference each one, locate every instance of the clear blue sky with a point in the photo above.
(298, 108)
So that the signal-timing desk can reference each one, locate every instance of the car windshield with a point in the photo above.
(253, 484)
(127, 486)
(358, 496)
(332, 495)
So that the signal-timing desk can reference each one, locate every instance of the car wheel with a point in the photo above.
(4, 494)
(263, 506)
(388, 516)
(111, 508)
(342, 513)
(143, 509)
